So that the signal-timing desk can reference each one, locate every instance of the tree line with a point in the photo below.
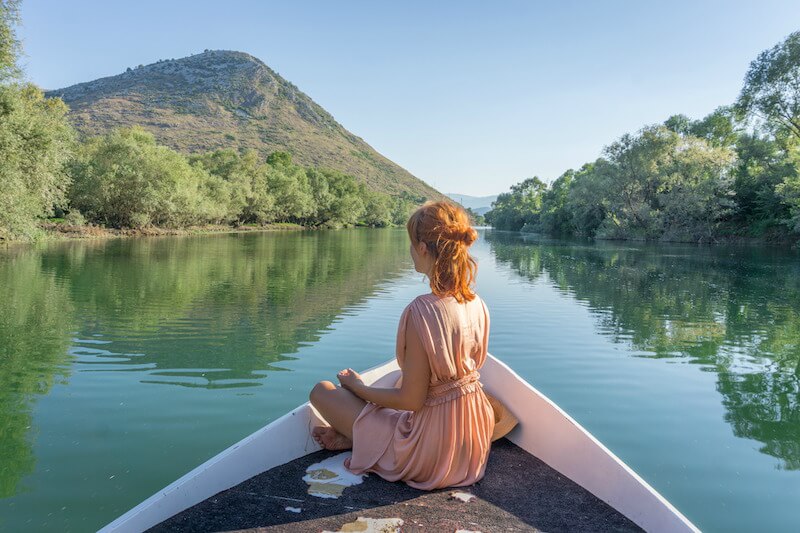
(733, 173)
(125, 179)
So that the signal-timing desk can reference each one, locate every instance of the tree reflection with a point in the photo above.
(735, 311)
(210, 312)
(30, 301)
(221, 310)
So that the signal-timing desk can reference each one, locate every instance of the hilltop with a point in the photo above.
(227, 99)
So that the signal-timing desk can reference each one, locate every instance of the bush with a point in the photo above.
(75, 218)
(124, 179)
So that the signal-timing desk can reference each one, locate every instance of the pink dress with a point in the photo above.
(446, 443)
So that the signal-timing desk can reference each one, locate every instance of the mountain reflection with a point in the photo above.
(210, 312)
(734, 311)
(219, 311)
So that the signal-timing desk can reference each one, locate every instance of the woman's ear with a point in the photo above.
(422, 250)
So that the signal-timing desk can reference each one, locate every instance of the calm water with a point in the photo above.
(125, 363)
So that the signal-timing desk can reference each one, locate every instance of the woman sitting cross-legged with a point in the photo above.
(434, 428)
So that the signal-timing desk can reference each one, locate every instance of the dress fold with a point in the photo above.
(447, 442)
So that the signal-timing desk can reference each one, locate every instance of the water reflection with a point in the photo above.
(734, 311)
(31, 300)
(219, 311)
(207, 312)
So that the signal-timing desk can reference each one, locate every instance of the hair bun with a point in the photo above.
(465, 234)
(443, 227)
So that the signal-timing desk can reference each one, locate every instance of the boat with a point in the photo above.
(548, 473)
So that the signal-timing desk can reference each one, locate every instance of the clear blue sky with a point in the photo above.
(472, 97)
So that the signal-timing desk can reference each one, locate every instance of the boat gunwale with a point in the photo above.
(150, 513)
(152, 510)
(516, 436)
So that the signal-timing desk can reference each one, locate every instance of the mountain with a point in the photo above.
(479, 204)
(225, 99)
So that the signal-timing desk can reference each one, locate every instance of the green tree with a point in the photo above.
(659, 184)
(322, 196)
(10, 47)
(35, 144)
(771, 94)
(341, 200)
(289, 185)
(718, 128)
(680, 124)
(697, 195)
(555, 218)
(279, 159)
(250, 199)
(761, 167)
(771, 89)
(403, 205)
(586, 204)
(124, 179)
(789, 188)
(518, 208)
(347, 205)
(377, 209)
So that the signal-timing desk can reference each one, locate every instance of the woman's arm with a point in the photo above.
(413, 390)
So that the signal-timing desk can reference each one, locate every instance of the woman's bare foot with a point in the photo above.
(330, 439)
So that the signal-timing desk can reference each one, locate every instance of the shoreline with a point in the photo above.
(726, 240)
(59, 232)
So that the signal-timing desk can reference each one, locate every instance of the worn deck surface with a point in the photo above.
(518, 493)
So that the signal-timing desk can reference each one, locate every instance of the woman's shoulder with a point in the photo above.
(433, 296)
(430, 300)
(425, 302)
(421, 301)
(431, 308)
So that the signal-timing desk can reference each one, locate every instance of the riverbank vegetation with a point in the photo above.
(125, 180)
(731, 175)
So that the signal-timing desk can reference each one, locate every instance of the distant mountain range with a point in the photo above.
(479, 204)
(225, 99)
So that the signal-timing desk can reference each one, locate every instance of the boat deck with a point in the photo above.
(518, 493)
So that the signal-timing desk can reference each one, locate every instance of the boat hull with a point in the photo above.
(545, 431)
(550, 434)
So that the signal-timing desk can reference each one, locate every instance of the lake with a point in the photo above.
(125, 363)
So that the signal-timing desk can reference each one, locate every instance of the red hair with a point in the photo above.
(447, 233)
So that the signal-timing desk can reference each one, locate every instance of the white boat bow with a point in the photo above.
(544, 431)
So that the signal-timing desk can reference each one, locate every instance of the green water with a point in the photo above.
(125, 363)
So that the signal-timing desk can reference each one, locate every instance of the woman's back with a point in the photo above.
(446, 443)
(434, 429)
(455, 335)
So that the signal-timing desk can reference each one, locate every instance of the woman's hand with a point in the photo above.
(350, 380)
